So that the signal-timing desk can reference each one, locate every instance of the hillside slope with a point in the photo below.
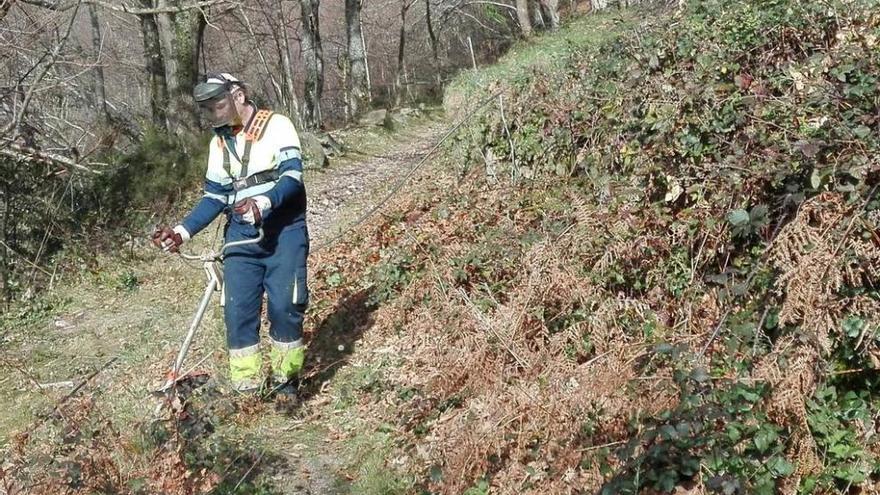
(655, 267)
(648, 264)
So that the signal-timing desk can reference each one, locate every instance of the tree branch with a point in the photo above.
(18, 152)
(14, 124)
(121, 7)
(486, 2)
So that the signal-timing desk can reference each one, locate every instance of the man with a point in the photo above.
(255, 176)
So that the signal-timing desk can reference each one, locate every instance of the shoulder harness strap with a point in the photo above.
(254, 133)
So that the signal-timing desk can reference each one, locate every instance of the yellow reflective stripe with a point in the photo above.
(243, 368)
(287, 363)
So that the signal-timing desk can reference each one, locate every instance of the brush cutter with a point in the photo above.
(212, 262)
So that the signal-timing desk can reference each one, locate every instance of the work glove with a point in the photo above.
(168, 239)
(251, 210)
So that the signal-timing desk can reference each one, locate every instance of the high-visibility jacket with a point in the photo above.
(263, 158)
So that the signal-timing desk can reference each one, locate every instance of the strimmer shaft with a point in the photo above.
(200, 312)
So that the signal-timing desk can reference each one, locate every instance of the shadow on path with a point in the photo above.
(334, 339)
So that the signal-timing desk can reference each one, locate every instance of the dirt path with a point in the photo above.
(309, 459)
(136, 307)
(343, 192)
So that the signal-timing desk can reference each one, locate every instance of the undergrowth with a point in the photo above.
(654, 272)
(656, 268)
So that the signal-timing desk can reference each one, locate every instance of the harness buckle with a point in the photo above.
(238, 185)
(255, 180)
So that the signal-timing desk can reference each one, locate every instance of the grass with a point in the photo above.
(370, 452)
(135, 307)
(545, 53)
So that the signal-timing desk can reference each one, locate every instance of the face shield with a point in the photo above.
(215, 100)
(218, 111)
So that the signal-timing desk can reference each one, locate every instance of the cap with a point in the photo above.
(215, 85)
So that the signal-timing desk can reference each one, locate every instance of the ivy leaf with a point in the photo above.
(335, 279)
(673, 189)
(862, 131)
(738, 218)
(809, 148)
(852, 326)
(436, 473)
(778, 466)
(699, 374)
(733, 433)
(765, 438)
(758, 216)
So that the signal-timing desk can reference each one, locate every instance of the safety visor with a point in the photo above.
(215, 86)
(217, 111)
(206, 91)
(214, 98)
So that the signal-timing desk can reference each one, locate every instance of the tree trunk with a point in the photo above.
(196, 50)
(4, 7)
(180, 35)
(166, 24)
(100, 87)
(525, 20)
(292, 106)
(7, 253)
(313, 62)
(367, 64)
(189, 27)
(401, 52)
(276, 23)
(550, 8)
(155, 66)
(357, 58)
(599, 4)
(537, 17)
(432, 37)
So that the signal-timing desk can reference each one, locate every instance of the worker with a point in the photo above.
(255, 177)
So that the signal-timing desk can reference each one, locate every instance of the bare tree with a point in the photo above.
(432, 38)
(399, 82)
(313, 61)
(525, 20)
(155, 65)
(4, 7)
(258, 47)
(290, 91)
(277, 23)
(358, 91)
(100, 86)
(550, 9)
(537, 16)
(180, 34)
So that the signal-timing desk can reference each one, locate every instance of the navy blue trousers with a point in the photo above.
(276, 266)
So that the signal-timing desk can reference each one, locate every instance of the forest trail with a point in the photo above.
(117, 329)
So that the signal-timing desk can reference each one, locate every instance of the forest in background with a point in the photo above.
(647, 262)
(99, 132)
